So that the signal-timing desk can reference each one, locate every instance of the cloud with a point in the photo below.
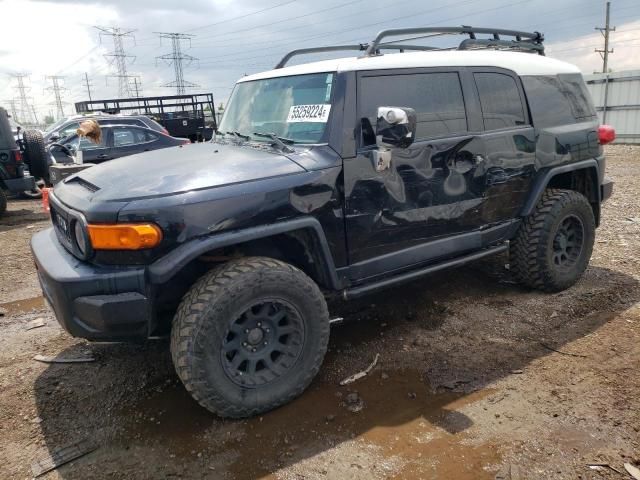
(234, 37)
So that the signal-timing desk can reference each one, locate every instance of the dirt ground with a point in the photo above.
(477, 379)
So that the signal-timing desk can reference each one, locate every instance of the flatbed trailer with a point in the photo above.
(188, 116)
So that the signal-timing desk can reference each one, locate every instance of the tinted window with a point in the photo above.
(436, 98)
(557, 100)
(500, 100)
(579, 98)
(123, 137)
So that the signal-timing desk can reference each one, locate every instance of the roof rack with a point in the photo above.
(521, 41)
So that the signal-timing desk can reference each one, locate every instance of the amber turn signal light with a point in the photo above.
(124, 236)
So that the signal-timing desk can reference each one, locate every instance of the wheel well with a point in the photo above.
(584, 181)
(299, 248)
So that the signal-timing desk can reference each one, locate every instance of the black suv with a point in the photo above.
(12, 168)
(345, 176)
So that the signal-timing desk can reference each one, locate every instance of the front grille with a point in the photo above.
(62, 226)
(64, 222)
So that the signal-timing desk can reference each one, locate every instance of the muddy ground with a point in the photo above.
(477, 379)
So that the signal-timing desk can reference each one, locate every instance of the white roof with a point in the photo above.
(519, 62)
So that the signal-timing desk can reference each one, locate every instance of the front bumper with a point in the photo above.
(92, 302)
(23, 184)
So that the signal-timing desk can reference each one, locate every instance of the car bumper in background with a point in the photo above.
(92, 302)
(16, 185)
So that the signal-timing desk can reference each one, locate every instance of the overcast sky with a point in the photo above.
(233, 37)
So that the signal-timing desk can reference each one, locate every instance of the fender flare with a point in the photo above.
(544, 178)
(163, 269)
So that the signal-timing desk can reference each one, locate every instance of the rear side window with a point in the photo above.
(436, 98)
(500, 100)
(558, 100)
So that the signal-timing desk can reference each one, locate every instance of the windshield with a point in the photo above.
(54, 126)
(296, 108)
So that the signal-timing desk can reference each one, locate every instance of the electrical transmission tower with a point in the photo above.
(604, 53)
(177, 58)
(27, 112)
(57, 89)
(118, 57)
(12, 108)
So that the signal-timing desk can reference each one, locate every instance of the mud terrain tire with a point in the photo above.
(36, 154)
(249, 336)
(553, 245)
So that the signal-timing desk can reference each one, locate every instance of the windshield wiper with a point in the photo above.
(279, 141)
(238, 135)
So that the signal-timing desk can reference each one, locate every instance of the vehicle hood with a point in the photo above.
(180, 169)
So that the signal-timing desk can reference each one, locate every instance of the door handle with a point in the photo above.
(102, 156)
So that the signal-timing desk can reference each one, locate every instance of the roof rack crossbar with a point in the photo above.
(359, 47)
(334, 48)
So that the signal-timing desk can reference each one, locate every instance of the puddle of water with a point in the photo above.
(400, 416)
(23, 306)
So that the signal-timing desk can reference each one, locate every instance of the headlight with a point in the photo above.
(81, 239)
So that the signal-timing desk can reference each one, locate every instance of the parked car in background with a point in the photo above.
(67, 126)
(12, 168)
(117, 141)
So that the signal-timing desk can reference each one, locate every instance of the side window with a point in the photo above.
(576, 92)
(149, 137)
(557, 100)
(500, 100)
(68, 130)
(436, 98)
(123, 137)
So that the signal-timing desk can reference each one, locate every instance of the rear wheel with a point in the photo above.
(250, 336)
(553, 246)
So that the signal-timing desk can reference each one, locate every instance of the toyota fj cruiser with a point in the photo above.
(347, 175)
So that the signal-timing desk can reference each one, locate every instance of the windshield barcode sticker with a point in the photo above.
(309, 113)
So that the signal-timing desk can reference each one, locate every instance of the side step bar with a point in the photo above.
(413, 274)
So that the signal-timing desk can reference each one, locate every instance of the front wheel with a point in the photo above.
(249, 336)
(553, 246)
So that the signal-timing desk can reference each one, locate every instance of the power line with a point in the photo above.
(177, 58)
(118, 57)
(242, 16)
(57, 93)
(605, 33)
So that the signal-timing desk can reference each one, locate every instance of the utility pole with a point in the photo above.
(137, 88)
(177, 58)
(605, 33)
(26, 112)
(605, 60)
(57, 93)
(87, 84)
(118, 57)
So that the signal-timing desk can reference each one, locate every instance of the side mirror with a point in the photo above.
(396, 126)
(54, 137)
